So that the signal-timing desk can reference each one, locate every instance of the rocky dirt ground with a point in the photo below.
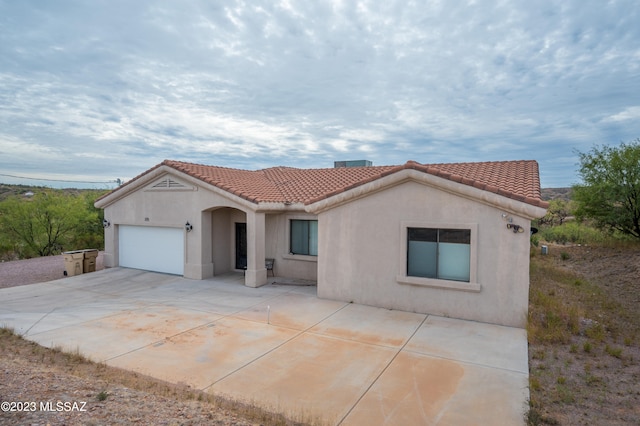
(615, 269)
(592, 378)
(80, 392)
(75, 392)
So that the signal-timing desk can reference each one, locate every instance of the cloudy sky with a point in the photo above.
(99, 90)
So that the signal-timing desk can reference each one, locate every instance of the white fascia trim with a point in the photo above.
(492, 199)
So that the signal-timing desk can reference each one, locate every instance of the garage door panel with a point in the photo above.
(152, 248)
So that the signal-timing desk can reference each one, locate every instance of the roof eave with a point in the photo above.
(162, 169)
(525, 208)
(279, 207)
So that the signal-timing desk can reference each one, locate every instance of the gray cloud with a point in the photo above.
(108, 89)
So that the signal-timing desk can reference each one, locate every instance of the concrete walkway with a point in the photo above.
(283, 348)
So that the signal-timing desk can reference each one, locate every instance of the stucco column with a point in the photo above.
(198, 260)
(111, 243)
(256, 273)
(110, 255)
(206, 236)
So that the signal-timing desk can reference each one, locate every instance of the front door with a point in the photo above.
(241, 245)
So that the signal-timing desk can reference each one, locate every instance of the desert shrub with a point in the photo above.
(535, 240)
(574, 232)
(614, 352)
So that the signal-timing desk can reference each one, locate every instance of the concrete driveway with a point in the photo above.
(282, 347)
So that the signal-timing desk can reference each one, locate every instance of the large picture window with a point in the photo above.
(439, 253)
(304, 237)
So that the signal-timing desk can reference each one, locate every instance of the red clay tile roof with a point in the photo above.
(518, 180)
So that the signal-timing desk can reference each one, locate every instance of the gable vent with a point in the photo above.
(168, 183)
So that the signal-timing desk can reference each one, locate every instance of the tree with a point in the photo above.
(557, 213)
(90, 232)
(610, 192)
(47, 223)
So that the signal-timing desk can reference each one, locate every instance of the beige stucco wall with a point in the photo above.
(173, 208)
(210, 246)
(277, 247)
(361, 258)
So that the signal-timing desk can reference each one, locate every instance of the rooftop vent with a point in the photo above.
(352, 163)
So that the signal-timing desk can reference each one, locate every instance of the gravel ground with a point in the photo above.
(36, 270)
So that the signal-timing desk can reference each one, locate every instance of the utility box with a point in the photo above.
(545, 250)
(73, 262)
(89, 263)
(352, 163)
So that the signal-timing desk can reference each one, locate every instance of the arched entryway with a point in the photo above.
(236, 241)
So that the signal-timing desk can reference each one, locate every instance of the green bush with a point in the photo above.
(535, 240)
(574, 232)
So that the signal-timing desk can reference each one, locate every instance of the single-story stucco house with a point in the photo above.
(442, 239)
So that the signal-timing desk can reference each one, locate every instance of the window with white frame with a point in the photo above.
(303, 237)
(436, 253)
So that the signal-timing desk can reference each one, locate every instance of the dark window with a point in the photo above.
(304, 237)
(439, 253)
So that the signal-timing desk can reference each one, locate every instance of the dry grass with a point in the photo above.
(583, 337)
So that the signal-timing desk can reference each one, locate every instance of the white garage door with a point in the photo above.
(152, 248)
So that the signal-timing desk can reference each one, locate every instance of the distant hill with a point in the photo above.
(549, 194)
(7, 190)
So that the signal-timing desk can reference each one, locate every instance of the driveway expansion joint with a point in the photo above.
(298, 334)
(37, 322)
(382, 372)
